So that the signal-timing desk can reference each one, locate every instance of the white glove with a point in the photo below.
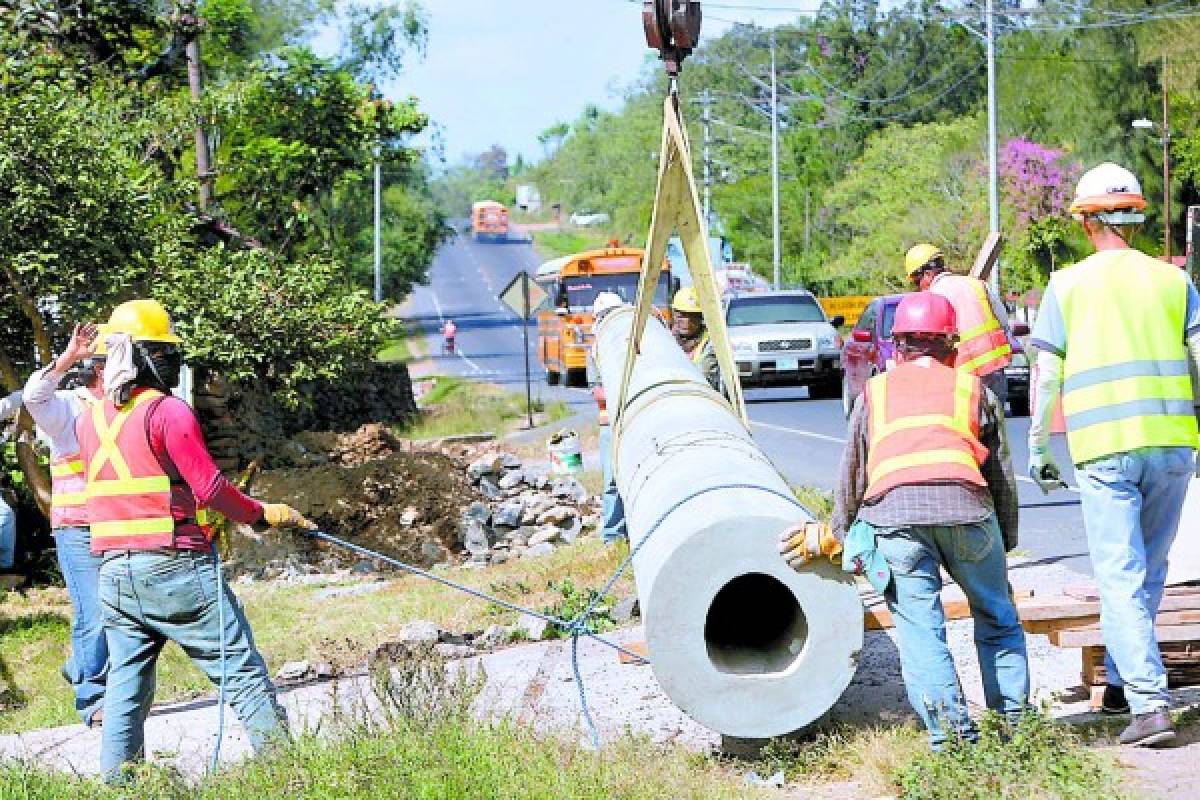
(1042, 469)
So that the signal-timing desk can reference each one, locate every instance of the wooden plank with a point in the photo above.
(1046, 617)
(877, 618)
(1088, 591)
(1083, 637)
(634, 647)
(988, 255)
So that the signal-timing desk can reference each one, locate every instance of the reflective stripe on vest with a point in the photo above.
(923, 425)
(983, 346)
(128, 492)
(1125, 380)
(68, 493)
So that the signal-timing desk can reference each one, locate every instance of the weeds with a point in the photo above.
(1036, 758)
(572, 602)
(818, 501)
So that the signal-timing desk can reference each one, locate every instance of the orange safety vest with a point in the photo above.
(983, 345)
(128, 491)
(68, 486)
(923, 427)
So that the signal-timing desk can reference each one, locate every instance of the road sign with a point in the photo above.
(523, 295)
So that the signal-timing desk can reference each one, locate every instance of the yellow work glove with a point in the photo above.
(281, 515)
(802, 543)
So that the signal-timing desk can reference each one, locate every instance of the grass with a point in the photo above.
(290, 623)
(409, 346)
(818, 501)
(456, 406)
(553, 244)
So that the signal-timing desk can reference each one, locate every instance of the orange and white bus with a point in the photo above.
(565, 317)
(489, 221)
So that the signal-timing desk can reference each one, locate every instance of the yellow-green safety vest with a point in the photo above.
(1126, 383)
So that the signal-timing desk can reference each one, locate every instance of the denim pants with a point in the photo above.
(974, 557)
(612, 507)
(87, 665)
(151, 598)
(8, 535)
(1131, 507)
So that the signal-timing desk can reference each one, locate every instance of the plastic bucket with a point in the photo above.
(566, 455)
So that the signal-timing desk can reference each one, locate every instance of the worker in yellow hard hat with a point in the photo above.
(1116, 334)
(690, 332)
(149, 475)
(985, 343)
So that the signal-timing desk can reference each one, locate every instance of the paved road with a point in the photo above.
(803, 437)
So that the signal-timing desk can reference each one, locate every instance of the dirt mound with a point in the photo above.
(406, 504)
(368, 443)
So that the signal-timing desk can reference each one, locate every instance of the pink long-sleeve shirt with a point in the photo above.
(177, 442)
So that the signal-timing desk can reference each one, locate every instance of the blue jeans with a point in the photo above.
(87, 665)
(974, 557)
(1131, 507)
(612, 507)
(151, 598)
(8, 535)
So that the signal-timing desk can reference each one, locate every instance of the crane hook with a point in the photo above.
(673, 29)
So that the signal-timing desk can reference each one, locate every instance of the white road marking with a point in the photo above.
(470, 363)
(798, 432)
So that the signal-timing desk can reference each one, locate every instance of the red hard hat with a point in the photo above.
(925, 312)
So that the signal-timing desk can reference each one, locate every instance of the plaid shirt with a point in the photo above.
(930, 503)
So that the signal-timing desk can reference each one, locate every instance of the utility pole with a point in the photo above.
(186, 18)
(1166, 145)
(776, 251)
(993, 170)
(707, 100)
(378, 234)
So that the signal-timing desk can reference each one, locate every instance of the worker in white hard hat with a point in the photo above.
(612, 508)
(1115, 334)
(985, 342)
(690, 332)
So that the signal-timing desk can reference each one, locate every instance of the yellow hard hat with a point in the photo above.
(144, 321)
(686, 301)
(918, 256)
(102, 330)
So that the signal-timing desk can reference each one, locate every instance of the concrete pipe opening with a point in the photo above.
(754, 626)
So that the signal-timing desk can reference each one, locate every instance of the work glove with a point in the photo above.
(281, 515)
(802, 543)
(1042, 469)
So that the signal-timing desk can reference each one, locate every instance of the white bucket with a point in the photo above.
(566, 456)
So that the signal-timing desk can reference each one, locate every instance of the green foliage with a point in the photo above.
(1037, 758)
(553, 244)
(572, 602)
(255, 316)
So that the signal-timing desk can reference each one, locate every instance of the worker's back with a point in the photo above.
(1126, 381)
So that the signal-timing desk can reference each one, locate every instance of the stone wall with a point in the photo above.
(243, 422)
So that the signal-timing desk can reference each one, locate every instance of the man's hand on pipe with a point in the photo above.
(802, 543)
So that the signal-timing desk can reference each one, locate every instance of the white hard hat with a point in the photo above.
(1110, 192)
(606, 301)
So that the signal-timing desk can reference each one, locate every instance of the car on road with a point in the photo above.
(586, 218)
(1017, 373)
(785, 338)
(869, 349)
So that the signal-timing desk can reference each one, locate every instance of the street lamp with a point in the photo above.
(1144, 124)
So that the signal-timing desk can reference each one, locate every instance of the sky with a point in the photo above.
(502, 71)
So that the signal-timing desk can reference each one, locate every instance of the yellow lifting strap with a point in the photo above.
(677, 208)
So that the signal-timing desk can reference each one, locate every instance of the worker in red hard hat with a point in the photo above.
(926, 484)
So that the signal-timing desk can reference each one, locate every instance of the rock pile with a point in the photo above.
(525, 512)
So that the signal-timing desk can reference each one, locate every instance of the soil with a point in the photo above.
(366, 487)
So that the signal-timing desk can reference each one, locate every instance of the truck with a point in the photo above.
(572, 284)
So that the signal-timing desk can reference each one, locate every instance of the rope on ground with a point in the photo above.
(578, 626)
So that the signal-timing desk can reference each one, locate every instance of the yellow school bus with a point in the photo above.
(565, 317)
(489, 221)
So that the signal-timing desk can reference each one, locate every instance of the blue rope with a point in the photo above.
(216, 756)
(578, 626)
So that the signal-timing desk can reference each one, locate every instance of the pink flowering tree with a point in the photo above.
(1036, 183)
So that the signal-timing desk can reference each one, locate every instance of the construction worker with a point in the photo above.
(985, 343)
(926, 484)
(1114, 333)
(148, 474)
(612, 507)
(687, 325)
(9, 406)
(55, 411)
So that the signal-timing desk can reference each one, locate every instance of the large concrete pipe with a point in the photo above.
(742, 643)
